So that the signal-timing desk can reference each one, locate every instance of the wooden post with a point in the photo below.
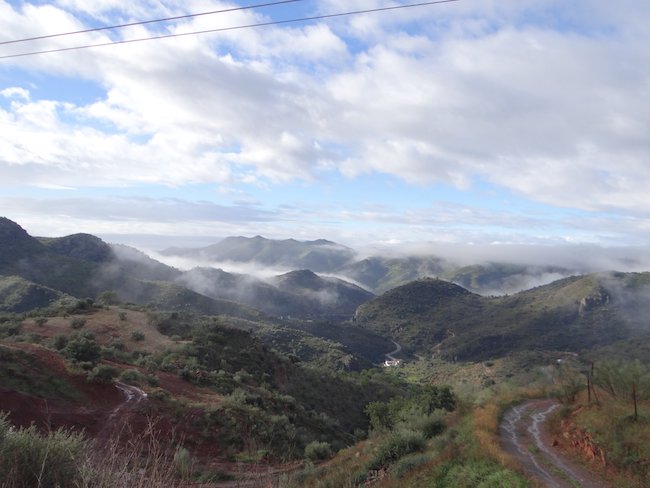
(636, 413)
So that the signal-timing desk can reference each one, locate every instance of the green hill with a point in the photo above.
(318, 255)
(578, 314)
(19, 295)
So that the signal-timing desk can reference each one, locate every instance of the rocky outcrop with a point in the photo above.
(584, 443)
(596, 299)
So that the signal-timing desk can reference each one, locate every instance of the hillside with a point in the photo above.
(25, 256)
(19, 295)
(503, 278)
(380, 274)
(204, 381)
(324, 295)
(579, 314)
(319, 255)
(82, 265)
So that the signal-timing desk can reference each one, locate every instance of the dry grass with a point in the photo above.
(145, 461)
(485, 421)
(625, 441)
(107, 326)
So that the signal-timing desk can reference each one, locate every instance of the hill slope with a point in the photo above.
(319, 255)
(19, 295)
(577, 314)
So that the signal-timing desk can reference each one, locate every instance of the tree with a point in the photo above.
(82, 348)
(380, 416)
(625, 380)
(570, 381)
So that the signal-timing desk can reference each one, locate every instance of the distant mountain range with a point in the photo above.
(82, 265)
(427, 316)
(318, 256)
(376, 274)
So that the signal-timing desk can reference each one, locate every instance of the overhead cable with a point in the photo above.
(232, 28)
(144, 22)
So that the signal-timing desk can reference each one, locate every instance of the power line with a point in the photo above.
(144, 22)
(224, 29)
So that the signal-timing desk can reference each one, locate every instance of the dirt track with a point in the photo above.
(524, 436)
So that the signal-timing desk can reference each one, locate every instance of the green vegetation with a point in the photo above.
(29, 459)
(66, 459)
(608, 424)
(245, 387)
(21, 372)
(82, 348)
(576, 314)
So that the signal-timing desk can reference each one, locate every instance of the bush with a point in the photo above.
(63, 459)
(183, 463)
(396, 445)
(40, 321)
(122, 315)
(60, 342)
(132, 376)
(10, 328)
(102, 373)
(29, 459)
(77, 322)
(82, 348)
(477, 474)
(137, 336)
(409, 463)
(318, 450)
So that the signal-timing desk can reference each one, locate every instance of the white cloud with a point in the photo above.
(547, 99)
(15, 92)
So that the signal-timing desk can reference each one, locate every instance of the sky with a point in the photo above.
(470, 122)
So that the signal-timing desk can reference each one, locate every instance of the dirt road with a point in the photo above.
(389, 355)
(523, 435)
(118, 417)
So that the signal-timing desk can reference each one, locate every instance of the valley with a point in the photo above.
(234, 379)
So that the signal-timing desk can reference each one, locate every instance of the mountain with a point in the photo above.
(380, 274)
(377, 274)
(578, 314)
(82, 265)
(218, 284)
(85, 247)
(19, 295)
(503, 278)
(324, 295)
(296, 294)
(25, 256)
(319, 255)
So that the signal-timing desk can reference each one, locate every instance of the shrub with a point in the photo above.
(396, 445)
(77, 322)
(132, 376)
(28, 458)
(10, 328)
(82, 348)
(477, 474)
(103, 372)
(40, 321)
(409, 463)
(318, 450)
(122, 315)
(137, 336)
(183, 462)
(60, 342)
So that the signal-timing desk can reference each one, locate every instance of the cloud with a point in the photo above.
(548, 100)
(15, 92)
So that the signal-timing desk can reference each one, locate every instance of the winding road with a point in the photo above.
(389, 355)
(114, 423)
(523, 435)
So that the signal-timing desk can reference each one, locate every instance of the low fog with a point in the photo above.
(540, 264)
(578, 257)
